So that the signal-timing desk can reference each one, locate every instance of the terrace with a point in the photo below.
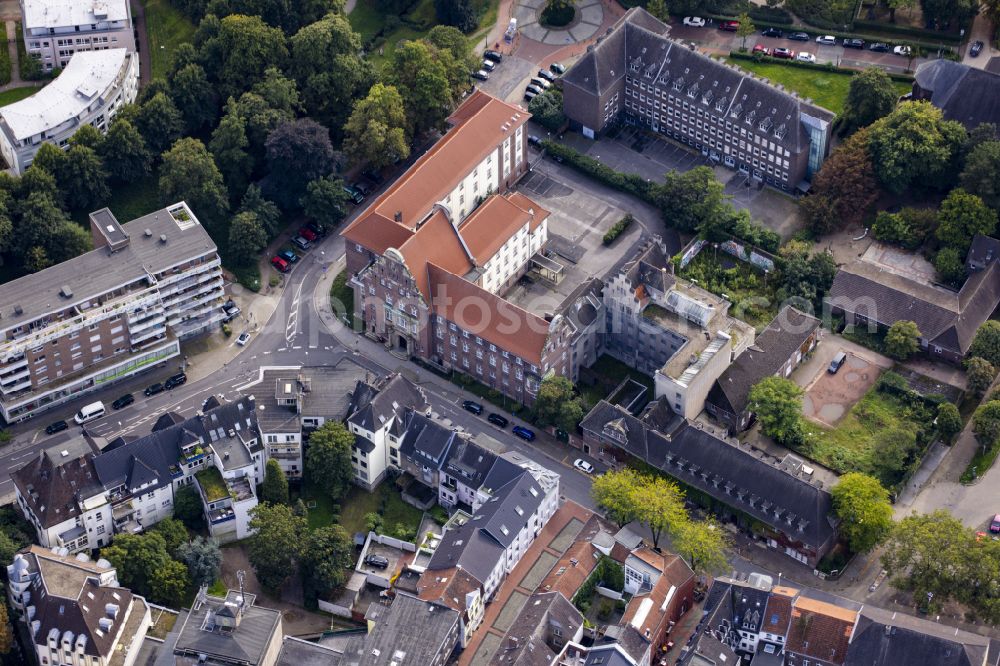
(213, 486)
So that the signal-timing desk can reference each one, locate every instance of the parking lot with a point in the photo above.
(508, 79)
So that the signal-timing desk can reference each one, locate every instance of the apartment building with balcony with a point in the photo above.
(108, 314)
(91, 90)
(76, 612)
(431, 258)
(54, 30)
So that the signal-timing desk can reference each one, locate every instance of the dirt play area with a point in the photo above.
(829, 397)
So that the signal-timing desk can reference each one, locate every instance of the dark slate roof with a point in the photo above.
(772, 348)
(468, 547)
(524, 643)
(503, 515)
(966, 94)
(470, 463)
(652, 269)
(768, 654)
(946, 318)
(984, 249)
(638, 46)
(149, 458)
(364, 444)
(749, 606)
(607, 655)
(297, 652)
(627, 431)
(426, 440)
(246, 644)
(420, 630)
(52, 491)
(167, 420)
(740, 479)
(888, 639)
(372, 406)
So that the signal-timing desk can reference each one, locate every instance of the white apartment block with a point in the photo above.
(54, 30)
(108, 314)
(75, 610)
(89, 91)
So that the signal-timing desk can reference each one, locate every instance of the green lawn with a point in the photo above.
(359, 503)
(612, 372)
(366, 20)
(741, 285)
(827, 89)
(321, 508)
(167, 28)
(17, 94)
(140, 198)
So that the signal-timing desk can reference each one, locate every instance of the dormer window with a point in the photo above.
(720, 105)
(780, 131)
(765, 124)
(679, 83)
(751, 117)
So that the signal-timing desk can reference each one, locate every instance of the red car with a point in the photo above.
(280, 264)
(783, 53)
(729, 26)
(760, 48)
(308, 234)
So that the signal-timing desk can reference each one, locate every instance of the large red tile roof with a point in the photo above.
(436, 242)
(496, 220)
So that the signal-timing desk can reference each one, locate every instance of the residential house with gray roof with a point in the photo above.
(965, 94)
(226, 631)
(638, 75)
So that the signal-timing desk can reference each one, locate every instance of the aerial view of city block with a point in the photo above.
(500, 332)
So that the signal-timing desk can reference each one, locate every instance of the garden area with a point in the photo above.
(17, 94)
(397, 517)
(597, 381)
(753, 299)
(597, 608)
(342, 297)
(167, 28)
(885, 434)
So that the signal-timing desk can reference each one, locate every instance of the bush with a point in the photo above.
(618, 228)
(248, 276)
(629, 183)
(605, 609)
(878, 27)
(547, 109)
(227, 330)
(439, 514)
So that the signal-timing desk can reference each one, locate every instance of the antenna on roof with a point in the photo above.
(239, 577)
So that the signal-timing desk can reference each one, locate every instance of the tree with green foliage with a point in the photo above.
(451, 39)
(373, 522)
(277, 539)
(702, 544)
(275, 486)
(422, 80)
(914, 146)
(949, 266)
(945, 13)
(458, 13)
(949, 420)
(557, 404)
(658, 8)
(266, 211)
(174, 534)
(187, 507)
(961, 217)
(325, 202)
(547, 109)
(871, 96)
(981, 175)
(908, 228)
(6, 630)
(986, 423)
(328, 458)
(297, 153)
(241, 50)
(690, 198)
(902, 340)
(327, 556)
(979, 374)
(159, 122)
(189, 173)
(259, 120)
(777, 402)
(986, 344)
(145, 566)
(247, 237)
(614, 491)
(375, 134)
(194, 97)
(169, 583)
(661, 507)
(803, 275)
(203, 558)
(83, 179)
(895, 450)
(845, 188)
(42, 224)
(744, 29)
(229, 147)
(88, 136)
(124, 152)
(862, 505)
(330, 71)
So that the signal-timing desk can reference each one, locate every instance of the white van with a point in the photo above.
(94, 410)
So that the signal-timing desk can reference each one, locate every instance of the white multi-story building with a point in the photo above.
(56, 29)
(90, 91)
(108, 314)
(75, 610)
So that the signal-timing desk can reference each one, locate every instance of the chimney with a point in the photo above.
(398, 216)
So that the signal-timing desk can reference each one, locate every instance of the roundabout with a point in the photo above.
(586, 21)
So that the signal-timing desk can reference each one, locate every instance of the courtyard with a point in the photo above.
(828, 397)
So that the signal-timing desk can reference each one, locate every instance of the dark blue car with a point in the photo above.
(523, 433)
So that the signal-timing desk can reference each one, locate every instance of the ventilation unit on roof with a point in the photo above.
(148, 233)
(66, 292)
(18, 310)
(163, 238)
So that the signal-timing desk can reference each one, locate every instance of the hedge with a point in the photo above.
(825, 67)
(877, 27)
(618, 228)
(630, 183)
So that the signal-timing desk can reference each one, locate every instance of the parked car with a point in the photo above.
(837, 361)
(57, 426)
(805, 57)
(316, 229)
(523, 433)
(558, 68)
(123, 401)
(787, 54)
(995, 524)
(853, 43)
(175, 380)
(535, 141)
(232, 311)
(472, 406)
(694, 21)
(772, 32)
(481, 75)
(547, 75)
(153, 390)
(360, 186)
(289, 256)
(977, 48)
(489, 65)
(760, 48)
(798, 36)
(301, 243)
(533, 88)
(372, 175)
(497, 420)
(243, 339)
(308, 233)
(729, 26)
(879, 47)
(279, 264)
(529, 95)
(583, 466)
(829, 40)
(541, 83)
(377, 561)
(353, 194)
(906, 51)
(495, 56)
